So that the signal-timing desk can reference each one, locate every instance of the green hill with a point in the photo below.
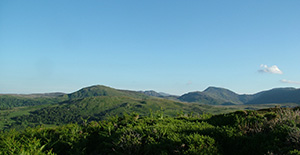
(99, 90)
(212, 96)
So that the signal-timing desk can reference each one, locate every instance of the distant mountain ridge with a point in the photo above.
(210, 96)
(35, 95)
(222, 96)
(155, 94)
(199, 97)
(277, 95)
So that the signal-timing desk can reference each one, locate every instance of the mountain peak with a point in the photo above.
(151, 93)
(154, 93)
(100, 90)
(213, 88)
(284, 88)
(223, 94)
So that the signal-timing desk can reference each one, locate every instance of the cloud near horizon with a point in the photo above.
(273, 69)
(289, 81)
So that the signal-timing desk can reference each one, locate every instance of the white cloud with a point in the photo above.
(273, 69)
(289, 81)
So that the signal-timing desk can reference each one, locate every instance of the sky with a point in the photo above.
(168, 46)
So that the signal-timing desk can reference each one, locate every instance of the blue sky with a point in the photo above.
(167, 46)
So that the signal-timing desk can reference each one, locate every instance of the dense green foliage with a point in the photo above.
(271, 131)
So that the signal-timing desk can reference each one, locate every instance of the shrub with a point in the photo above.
(199, 144)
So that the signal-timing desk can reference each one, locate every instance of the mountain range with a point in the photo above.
(222, 96)
(210, 96)
(100, 102)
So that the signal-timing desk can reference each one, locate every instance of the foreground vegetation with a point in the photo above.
(270, 131)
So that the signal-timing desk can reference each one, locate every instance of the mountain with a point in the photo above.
(199, 97)
(152, 93)
(36, 95)
(156, 94)
(99, 90)
(213, 96)
(165, 94)
(277, 95)
(224, 95)
(55, 94)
